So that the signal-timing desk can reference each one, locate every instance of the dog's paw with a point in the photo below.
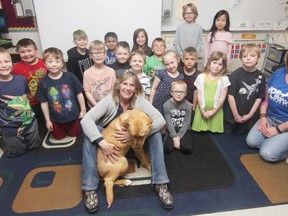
(128, 182)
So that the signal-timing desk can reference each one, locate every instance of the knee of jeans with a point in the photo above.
(251, 142)
(268, 156)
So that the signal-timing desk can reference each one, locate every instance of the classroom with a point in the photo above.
(223, 175)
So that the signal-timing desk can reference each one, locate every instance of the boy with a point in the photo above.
(99, 79)
(154, 63)
(122, 53)
(111, 40)
(137, 61)
(177, 113)
(245, 93)
(33, 69)
(59, 92)
(190, 73)
(18, 125)
(78, 56)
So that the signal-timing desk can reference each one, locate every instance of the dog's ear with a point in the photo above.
(124, 118)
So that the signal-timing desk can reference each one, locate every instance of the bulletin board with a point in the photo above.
(58, 19)
(244, 14)
(16, 23)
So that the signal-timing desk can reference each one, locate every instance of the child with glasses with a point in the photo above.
(161, 88)
(188, 33)
(177, 113)
(99, 79)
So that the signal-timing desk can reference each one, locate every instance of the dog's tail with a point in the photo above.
(109, 184)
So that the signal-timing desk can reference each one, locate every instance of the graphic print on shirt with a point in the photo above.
(21, 115)
(84, 64)
(250, 89)
(278, 96)
(67, 95)
(177, 117)
(100, 88)
(34, 78)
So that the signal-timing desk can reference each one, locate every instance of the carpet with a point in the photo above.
(271, 177)
(204, 169)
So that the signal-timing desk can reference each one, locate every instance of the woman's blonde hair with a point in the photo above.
(215, 56)
(138, 87)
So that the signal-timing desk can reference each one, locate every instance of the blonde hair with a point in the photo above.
(139, 53)
(79, 34)
(97, 45)
(170, 53)
(138, 87)
(5, 52)
(179, 82)
(192, 7)
(55, 52)
(215, 56)
(250, 48)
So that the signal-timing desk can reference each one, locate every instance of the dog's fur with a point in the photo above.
(139, 125)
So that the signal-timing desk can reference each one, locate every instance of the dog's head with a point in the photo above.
(138, 124)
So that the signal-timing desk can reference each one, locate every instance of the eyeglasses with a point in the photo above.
(97, 53)
(188, 13)
(179, 92)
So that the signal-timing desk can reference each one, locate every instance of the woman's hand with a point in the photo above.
(263, 124)
(123, 135)
(110, 151)
(269, 132)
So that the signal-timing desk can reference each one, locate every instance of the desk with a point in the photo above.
(14, 55)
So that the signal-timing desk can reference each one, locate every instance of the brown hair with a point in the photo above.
(138, 52)
(55, 52)
(215, 56)
(250, 48)
(192, 7)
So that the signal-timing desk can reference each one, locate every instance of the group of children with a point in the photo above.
(171, 81)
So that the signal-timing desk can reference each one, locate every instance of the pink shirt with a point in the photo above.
(222, 42)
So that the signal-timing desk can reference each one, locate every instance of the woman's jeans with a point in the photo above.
(90, 178)
(271, 149)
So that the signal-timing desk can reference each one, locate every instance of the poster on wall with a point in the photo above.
(17, 23)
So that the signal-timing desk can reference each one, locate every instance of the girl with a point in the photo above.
(219, 37)
(140, 42)
(212, 87)
(188, 33)
(161, 88)
(137, 62)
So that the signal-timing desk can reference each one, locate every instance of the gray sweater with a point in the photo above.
(103, 113)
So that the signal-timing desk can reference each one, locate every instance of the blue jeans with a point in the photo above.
(271, 149)
(90, 178)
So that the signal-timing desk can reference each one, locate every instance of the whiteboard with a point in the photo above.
(58, 19)
(244, 14)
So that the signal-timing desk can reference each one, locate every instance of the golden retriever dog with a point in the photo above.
(139, 125)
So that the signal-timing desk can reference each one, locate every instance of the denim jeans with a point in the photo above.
(273, 148)
(90, 178)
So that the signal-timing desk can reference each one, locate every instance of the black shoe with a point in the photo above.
(90, 199)
(166, 199)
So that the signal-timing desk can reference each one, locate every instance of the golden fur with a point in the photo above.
(139, 125)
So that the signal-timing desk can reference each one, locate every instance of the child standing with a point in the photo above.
(245, 93)
(190, 73)
(111, 40)
(188, 33)
(78, 56)
(137, 61)
(59, 92)
(177, 113)
(219, 37)
(99, 79)
(140, 42)
(122, 53)
(161, 88)
(212, 87)
(154, 63)
(18, 125)
(33, 69)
